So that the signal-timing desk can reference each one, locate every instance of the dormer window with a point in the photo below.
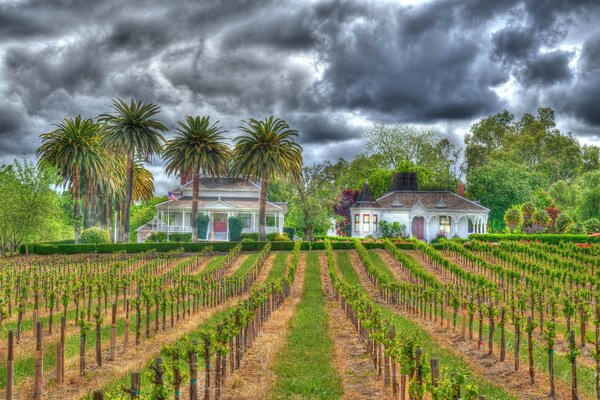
(441, 204)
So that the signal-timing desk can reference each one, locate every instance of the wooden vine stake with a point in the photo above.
(159, 381)
(113, 334)
(193, 365)
(134, 391)
(206, 370)
(573, 352)
(9, 366)
(37, 382)
(435, 373)
(126, 339)
(98, 395)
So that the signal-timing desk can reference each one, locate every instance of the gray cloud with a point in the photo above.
(317, 64)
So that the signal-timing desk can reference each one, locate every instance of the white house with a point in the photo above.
(424, 213)
(219, 198)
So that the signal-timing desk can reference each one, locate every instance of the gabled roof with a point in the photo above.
(430, 200)
(234, 184)
(365, 198)
(234, 202)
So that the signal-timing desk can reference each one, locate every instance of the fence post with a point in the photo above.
(113, 333)
(9, 366)
(98, 395)
(159, 378)
(37, 385)
(206, 370)
(435, 373)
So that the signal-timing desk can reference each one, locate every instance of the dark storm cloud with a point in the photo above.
(319, 64)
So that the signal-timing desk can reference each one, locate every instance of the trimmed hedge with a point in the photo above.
(542, 237)
(46, 249)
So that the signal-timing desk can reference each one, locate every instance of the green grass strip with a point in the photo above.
(279, 266)
(304, 368)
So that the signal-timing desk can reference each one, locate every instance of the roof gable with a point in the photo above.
(430, 200)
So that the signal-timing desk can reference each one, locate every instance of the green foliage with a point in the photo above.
(251, 236)
(542, 237)
(562, 222)
(143, 213)
(30, 210)
(513, 218)
(499, 185)
(95, 235)
(236, 225)
(392, 229)
(202, 223)
(592, 225)
(161, 237)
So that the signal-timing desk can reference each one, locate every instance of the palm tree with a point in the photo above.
(198, 147)
(73, 149)
(132, 130)
(267, 150)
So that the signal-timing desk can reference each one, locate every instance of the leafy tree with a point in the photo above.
(562, 194)
(513, 218)
(540, 220)
(553, 214)
(197, 147)
(142, 213)
(236, 225)
(133, 131)
(500, 185)
(562, 223)
(485, 137)
(267, 150)
(30, 209)
(341, 207)
(592, 225)
(95, 235)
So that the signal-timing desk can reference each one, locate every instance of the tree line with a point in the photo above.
(101, 160)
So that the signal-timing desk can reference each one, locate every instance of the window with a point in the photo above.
(271, 220)
(375, 222)
(366, 222)
(357, 223)
(445, 225)
(247, 220)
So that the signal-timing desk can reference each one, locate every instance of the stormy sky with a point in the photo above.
(330, 68)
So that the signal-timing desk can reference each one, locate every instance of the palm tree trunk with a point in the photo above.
(86, 205)
(262, 211)
(93, 220)
(195, 189)
(128, 196)
(76, 212)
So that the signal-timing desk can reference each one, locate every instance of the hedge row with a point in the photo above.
(542, 237)
(46, 249)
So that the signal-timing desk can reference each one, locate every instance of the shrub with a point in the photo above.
(513, 218)
(290, 232)
(202, 225)
(271, 236)
(438, 237)
(161, 237)
(94, 235)
(253, 236)
(318, 245)
(542, 237)
(244, 240)
(562, 222)
(281, 238)
(392, 230)
(592, 225)
(540, 220)
(236, 224)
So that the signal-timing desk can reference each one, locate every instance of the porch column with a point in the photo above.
(183, 220)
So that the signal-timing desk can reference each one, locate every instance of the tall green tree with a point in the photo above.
(267, 150)
(133, 130)
(500, 185)
(198, 147)
(73, 149)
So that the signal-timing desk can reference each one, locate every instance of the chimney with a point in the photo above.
(461, 189)
(404, 181)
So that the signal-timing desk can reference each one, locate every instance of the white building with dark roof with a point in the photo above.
(424, 213)
(219, 198)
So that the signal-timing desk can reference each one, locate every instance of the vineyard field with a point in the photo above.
(469, 320)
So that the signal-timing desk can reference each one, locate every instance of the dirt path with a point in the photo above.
(129, 360)
(396, 268)
(488, 367)
(359, 379)
(254, 379)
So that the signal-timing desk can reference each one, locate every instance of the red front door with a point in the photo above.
(418, 225)
(220, 223)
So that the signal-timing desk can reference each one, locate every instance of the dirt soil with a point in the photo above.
(359, 379)
(254, 380)
(128, 360)
(488, 367)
